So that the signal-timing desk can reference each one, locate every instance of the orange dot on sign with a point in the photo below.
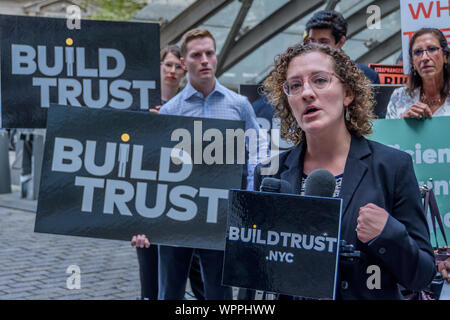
(69, 41)
(254, 226)
(125, 137)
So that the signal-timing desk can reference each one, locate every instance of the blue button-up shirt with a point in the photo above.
(221, 103)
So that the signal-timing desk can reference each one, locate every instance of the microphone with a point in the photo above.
(275, 185)
(320, 183)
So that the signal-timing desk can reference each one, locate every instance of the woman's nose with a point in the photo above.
(308, 92)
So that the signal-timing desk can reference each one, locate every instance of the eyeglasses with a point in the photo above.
(169, 66)
(431, 50)
(318, 81)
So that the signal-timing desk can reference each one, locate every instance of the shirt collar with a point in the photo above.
(190, 90)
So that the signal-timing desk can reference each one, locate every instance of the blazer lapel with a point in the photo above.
(355, 169)
(294, 164)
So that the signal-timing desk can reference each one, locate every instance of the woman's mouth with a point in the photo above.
(311, 111)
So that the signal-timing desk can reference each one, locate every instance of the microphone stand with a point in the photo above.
(429, 201)
(348, 252)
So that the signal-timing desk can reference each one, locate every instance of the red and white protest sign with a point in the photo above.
(389, 73)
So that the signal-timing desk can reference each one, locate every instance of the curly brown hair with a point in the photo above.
(360, 110)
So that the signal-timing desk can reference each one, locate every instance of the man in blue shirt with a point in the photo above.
(204, 97)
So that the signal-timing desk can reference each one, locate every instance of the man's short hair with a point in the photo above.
(329, 19)
(194, 34)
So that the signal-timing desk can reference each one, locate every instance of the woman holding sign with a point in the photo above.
(325, 106)
(427, 93)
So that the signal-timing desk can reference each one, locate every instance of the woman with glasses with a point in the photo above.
(427, 92)
(172, 72)
(325, 105)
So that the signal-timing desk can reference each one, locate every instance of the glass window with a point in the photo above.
(255, 67)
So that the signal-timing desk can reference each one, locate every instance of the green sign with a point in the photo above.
(428, 143)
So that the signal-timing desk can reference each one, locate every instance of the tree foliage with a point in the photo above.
(117, 10)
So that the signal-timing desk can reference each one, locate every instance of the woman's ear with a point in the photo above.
(349, 96)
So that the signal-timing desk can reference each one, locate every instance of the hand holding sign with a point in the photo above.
(371, 222)
(140, 241)
(154, 110)
(418, 110)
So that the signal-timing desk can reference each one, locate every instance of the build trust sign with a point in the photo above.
(101, 65)
(121, 173)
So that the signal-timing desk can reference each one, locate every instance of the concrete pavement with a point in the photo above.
(33, 265)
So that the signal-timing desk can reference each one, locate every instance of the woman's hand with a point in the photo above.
(418, 110)
(154, 110)
(444, 269)
(140, 241)
(371, 222)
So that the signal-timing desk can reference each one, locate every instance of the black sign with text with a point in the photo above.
(114, 174)
(382, 94)
(103, 64)
(282, 243)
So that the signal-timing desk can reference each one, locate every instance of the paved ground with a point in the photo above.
(33, 265)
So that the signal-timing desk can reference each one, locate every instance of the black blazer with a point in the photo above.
(375, 173)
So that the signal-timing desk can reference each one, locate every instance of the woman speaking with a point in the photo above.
(325, 105)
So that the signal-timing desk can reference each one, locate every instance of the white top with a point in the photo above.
(401, 101)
